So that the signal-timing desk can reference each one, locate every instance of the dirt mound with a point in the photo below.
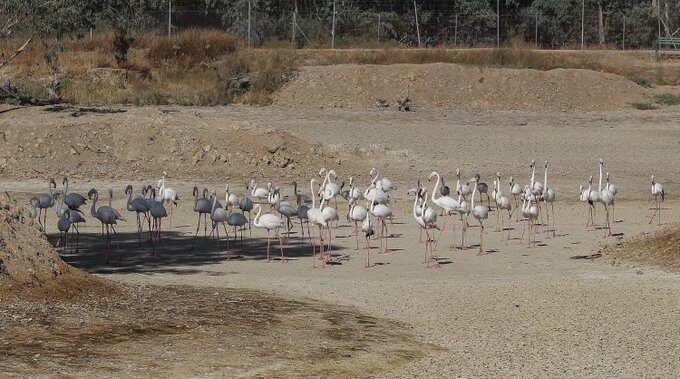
(28, 263)
(458, 87)
(138, 142)
(660, 249)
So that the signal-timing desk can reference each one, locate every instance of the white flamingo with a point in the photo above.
(614, 190)
(515, 191)
(593, 198)
(502, 204)
(356, 214)
(480, 213)
(426, 220)
(447, 204)
(657, 191)
(607, 200)
(530, 213)
(549, 198)
(167, 195)
(381, 212)
(315, 216)
(230, 199)
(258, 192)
(271, 223)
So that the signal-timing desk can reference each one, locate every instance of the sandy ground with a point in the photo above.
(510, 312)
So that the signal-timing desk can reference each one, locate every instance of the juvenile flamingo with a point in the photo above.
(479, 212)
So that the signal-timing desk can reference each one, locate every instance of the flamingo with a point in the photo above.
(45, 201)
(140, 206)
(593, 197)
(549, 197)
(203, 207)
(381, 212)
(607, 200)
(158, 213)
(530, 213)
(483, 188)
(462, 189)
(246, 205)
(367, 229)
(426, 219)
(237, 220)
(657, 191)
(230, 199)
(447, 204)
(269, 222)
(72, 200)
(329, 189)
(167, 195)
(258, 192)
(480, 213)
(356, 214)
(614, 190)
(515, 191)
(383, 184)
(107, 217)
(329, 214)
(502, 204)
(302, 210)
(285, 209)
(218, 216)
(63, 224)
(315, 216)
(75, 217)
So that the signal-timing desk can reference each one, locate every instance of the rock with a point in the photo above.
(74, 151)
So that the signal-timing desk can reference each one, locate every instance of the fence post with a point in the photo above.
(583, 15)
(169, 18)
(536, 30)
(248, 23)
(455, 32)
(333, 28)
(415, 9)
(498, 23)
(624, 32)
(378, 27)
(292, 39)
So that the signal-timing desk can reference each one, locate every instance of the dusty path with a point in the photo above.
(510, 312)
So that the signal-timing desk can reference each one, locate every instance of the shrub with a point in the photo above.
(668, 99)
(641, 81)
(644, 106)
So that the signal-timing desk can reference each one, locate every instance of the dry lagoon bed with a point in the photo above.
(511, 312)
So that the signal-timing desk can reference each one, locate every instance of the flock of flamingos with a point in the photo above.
(151, 207)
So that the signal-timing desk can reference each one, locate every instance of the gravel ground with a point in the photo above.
(511, 312)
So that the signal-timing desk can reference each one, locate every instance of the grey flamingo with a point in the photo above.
(45, 201)
(107, 217)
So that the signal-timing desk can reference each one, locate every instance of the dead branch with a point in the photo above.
(8, 91)
(14, 55)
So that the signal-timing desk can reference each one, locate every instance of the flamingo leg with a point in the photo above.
(356, 235)
(481, 238)
(269, 241)
(283, 258)
(368, 252)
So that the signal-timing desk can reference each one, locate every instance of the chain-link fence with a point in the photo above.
(363, 23)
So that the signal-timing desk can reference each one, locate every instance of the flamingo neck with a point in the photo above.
(65, 187)
(256, 221)
(436, 187)
(311, 186)
(599, 187)
(545, 178)
(214, 204)
(533, 176)
(415, 206)
(93, 210)
(474, 191)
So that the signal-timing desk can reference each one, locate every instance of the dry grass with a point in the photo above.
(195, 66)
(660, 249)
